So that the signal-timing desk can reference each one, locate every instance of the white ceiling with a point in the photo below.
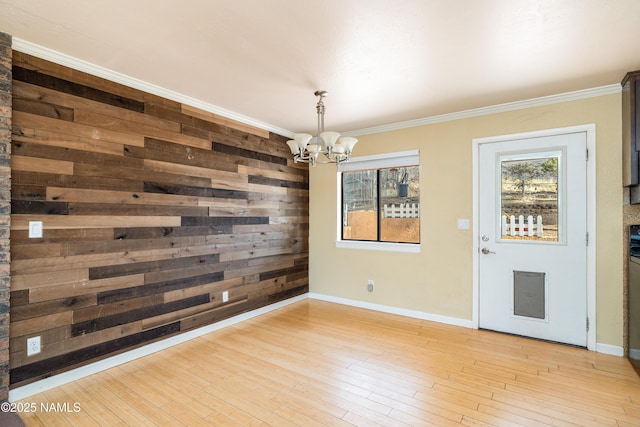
(382, 61)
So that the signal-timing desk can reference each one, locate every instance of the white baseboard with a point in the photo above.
(394, 310)
(84, 371)
(614, 350)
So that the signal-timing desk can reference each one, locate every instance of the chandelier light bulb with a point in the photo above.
(334, 149)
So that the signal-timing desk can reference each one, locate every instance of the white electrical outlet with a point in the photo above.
(35, 229)
(370, 285)
(225, 296)
(33, 346)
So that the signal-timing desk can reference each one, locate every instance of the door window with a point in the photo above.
(531, 197)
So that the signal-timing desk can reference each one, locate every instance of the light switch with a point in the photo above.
(35, 229)
(463, 224)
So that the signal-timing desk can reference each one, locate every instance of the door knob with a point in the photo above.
(486, 251)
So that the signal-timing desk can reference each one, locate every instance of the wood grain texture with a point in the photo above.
(315, 363)
(151, 209)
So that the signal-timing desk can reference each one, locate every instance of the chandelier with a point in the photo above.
(333, 148)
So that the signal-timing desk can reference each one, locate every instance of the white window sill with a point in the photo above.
(379, 246)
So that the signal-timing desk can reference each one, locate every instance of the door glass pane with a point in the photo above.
(360, 205)
(400, 204)
(529, 199)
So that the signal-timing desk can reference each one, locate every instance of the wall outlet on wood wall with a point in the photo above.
(225, 296)
(33, 346)
(35, 229)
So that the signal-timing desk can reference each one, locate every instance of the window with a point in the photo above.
(532, 197)
(380, 201)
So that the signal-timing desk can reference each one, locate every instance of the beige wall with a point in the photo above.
(438, 280)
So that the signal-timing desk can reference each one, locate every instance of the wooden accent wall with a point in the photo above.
(151, 209)
(5, 209)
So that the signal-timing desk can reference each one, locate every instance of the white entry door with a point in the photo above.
(533, 237)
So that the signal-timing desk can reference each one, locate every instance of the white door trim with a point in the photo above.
(590, 130)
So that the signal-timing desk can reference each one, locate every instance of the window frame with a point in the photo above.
(377, 161)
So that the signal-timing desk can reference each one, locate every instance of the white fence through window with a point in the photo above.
(516, 226)
(403, 210)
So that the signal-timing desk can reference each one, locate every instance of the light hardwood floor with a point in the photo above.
(315, 363)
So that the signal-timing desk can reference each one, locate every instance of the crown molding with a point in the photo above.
(87, 67)
(98, 71)
(494, 109)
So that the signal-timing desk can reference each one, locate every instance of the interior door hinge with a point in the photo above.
(587, 238)
(587, 154)
(587, 324)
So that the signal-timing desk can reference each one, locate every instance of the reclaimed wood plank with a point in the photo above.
(45, 80)
(40, 323)
(43, 109)
(168, 151)
(118, 197)
(21, 222)
(135, 315)
(273, 145)
(188, 275)
(30, 121)
(37, 250)
(173, 232)
(150, 288)
(113, 124)
(170, 317)
(89, 287)
(94, 171)
(21, 237)
(249, 154)
(19, 298)
(150, 266)
(38, 280)
(211, 288)
(52, 307)
(40, 94)
(134, 209)
(20, 192)
(214, 175)
(68, 141)
(208, 116)
(126, 245)
(44, 180)
(277, 174)
(30, 164)
(39, 207)
(42, 265)
(86, 314)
